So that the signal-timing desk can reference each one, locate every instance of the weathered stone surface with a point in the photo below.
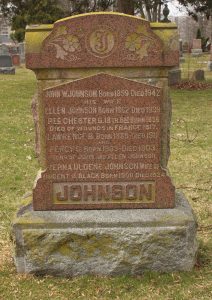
(198, 75)
(105, 242)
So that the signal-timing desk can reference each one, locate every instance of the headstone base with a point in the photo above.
(105, 242)
(196, 52)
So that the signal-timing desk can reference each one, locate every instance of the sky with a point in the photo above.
(176, 9)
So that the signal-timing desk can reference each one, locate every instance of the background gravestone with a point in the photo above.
(6, 65)
(5, 61)
(174, 77)
(196, 47)
(104, 120)
(4, 49)
(198, 75)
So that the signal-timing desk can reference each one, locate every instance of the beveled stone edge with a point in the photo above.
(181, 215)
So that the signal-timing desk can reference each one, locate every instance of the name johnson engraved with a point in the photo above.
(97, 192)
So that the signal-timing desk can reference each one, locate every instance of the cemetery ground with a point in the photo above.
(190, 166)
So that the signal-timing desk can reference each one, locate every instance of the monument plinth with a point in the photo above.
(103, 127)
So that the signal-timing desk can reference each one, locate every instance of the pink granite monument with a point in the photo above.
(103, 202)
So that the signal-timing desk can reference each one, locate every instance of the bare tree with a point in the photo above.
(148, 9)
(72, 7)
(125, 6)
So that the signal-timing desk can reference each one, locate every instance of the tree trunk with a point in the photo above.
(148, 10)
(154, 12)
(159, 12)
(125, 6)
(142, 12)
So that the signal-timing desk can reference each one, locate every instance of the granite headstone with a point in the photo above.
(6, 65)
(102, 169)
(196, 47)
(198, 75)
(174, 77)
(104, 117)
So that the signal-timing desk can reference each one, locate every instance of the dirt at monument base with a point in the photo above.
(192, 85)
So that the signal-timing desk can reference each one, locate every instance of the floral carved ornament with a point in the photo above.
(140, 42)
(65, 44)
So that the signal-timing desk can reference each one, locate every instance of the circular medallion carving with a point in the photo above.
(101, 41)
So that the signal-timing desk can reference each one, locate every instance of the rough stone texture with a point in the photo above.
(102, 242)
(198, 75)
(174, 77)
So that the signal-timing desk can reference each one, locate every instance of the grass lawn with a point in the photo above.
(190, 166)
